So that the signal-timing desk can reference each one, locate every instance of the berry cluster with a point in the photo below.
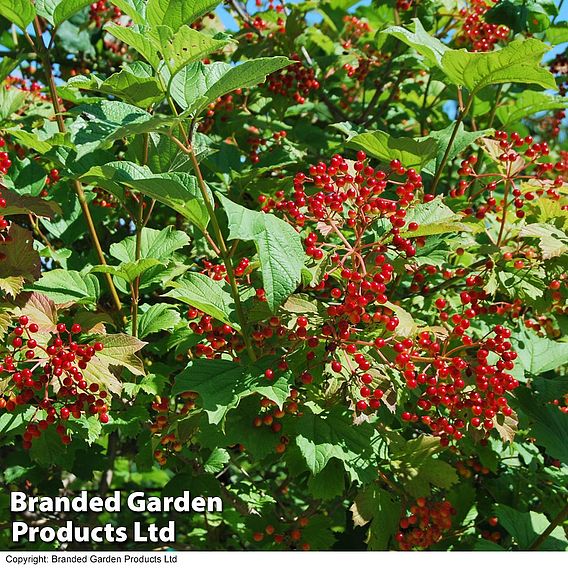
(404, 5)
(102, 11)
(354, 30)
(270, 415)
(519, 158)
(290, 537)
(218, 337)
(477, 34)
(167, 414)
(26, 86)
(425, 524)
(222, 108)
(342, 201)
(458, 387)
(276, 5)
(104, 199)
(259, 145)
(470, 467)
(274, 30)
(5, 161)
(49, 378)
(295, 82)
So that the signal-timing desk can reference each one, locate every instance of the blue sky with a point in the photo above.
(230, 22)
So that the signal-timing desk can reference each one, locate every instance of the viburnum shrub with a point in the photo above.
(310, 257)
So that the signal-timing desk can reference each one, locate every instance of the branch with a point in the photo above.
(43, 54)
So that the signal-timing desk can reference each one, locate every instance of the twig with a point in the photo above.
(539, 541)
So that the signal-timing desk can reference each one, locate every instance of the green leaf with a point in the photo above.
(328, 483)
(57, 11)
(184, 46)
(411, 152)
(138, 38)
(91, 428)
(552, 241)
(160, 245)
(136, 9)
(30, 140)
(430, 47)
(527, 285)
(217, 460)
(20, 260)
(197, 85)
(205, 294)
(11, 100)
(278, 245)
(380, 508)
(135, 84)
(50, 451)
(435, 218)
(463, 140)
(119, 352)
(13, 420)
(416, 466)
(221, 385)
(75, 40)
(128, 271)
(129, 422)
(558, 33)
(175, 13)
(518, 62)
(63, 286)
(99, 125)
(525, 528)
(178, 190)
(156, 318)
(538, 354)
(27, 177)
(153, 244)
(547, 424)
(527, 104)
(21, 12)
(332, 434)
(8, 64)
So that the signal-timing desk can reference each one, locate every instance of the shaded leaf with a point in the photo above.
(221, 385)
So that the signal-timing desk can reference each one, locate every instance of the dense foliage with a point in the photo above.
(315, 264)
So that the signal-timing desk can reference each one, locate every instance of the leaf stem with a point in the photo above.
(224, 253)
(140, 223)
(440, 170)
